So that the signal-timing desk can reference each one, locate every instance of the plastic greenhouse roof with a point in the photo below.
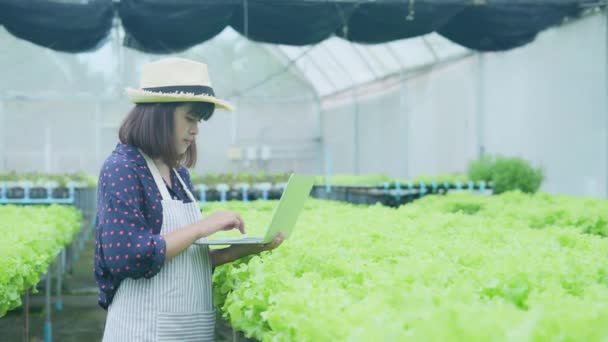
(335, 64)
(329, 67)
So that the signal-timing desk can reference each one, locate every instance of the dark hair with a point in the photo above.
(150, 127)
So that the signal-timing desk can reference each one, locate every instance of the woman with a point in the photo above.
(154, 282)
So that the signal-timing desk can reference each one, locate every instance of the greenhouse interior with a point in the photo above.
(437, 170)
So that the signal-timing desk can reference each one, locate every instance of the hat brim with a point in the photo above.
(145, 96)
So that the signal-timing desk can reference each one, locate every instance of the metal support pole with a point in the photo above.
(233, 126)
(60, 271)
(356, 133)
(48, 150)
(26, 316)
(98, 128)
(119, 55)
(3, 167)
(480, 106)
(48, 327)
(357, 143)
(320, 138)
(327, 171)
(404, 152)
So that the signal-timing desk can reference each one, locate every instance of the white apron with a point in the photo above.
(177, 303)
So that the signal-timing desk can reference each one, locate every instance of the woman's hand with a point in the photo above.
(222, 220)
(276, 242)
(234, 252)
(180, 239)
(259, 248)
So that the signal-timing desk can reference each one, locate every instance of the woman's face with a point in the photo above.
(186, 127)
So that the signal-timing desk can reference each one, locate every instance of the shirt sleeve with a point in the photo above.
(129, 248)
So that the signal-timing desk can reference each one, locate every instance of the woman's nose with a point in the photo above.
(194, 129)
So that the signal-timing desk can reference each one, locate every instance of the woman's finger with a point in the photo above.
(236, 224)
(241, 226)
(277, 241)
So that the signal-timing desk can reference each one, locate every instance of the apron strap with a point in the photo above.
(157, 177)
(184, 186)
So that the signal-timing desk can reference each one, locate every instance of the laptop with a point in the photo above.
(284, 217)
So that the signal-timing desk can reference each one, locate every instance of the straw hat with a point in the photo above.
(175, 80)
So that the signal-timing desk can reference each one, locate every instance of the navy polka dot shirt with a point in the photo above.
(129, 219)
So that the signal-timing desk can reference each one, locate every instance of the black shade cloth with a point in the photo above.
(291, 22)
(504, 25)
(167, 26)
(161, 26)
(380, 21)
(69, 27)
